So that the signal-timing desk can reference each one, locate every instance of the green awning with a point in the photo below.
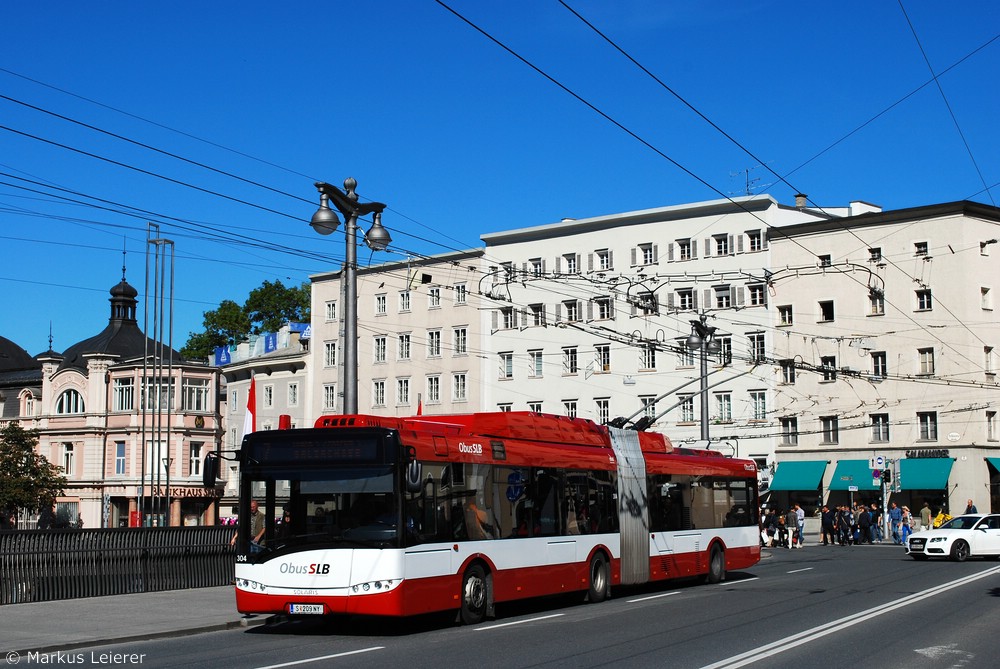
(804, 475)
(924, 473)
(995, 462)
(854, 473)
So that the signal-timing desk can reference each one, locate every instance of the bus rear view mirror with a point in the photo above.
(210, 470)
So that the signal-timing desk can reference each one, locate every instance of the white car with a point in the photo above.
(971, 534)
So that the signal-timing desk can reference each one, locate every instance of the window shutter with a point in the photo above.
(708, 297)
(590, 310)
(694, 248)
(670, 300)
(558, 264)
(611, 307)
(611, 259)
(558, 311)
(579, 309)
(543, 265)
(590, 262)
(656, 254)
(524, 269)
(579, 260)
(513, 317)
(739, 244)
(694, 299)
(634, 307)
(763, 239)
(670, 252)
(633, 256)
(740, 299)
(731, 247)
(708, 247)
(496, 320)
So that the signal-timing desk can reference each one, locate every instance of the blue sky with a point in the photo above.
(457, 135)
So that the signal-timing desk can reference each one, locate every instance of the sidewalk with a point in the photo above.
(77, 623)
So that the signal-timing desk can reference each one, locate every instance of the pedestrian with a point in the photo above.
(800, 523)
(771, 527)
(971, 508)
(828, 523)
(907, 524)
(925, 517)
(791, 524)
(864, 521)
(845, 519)
(895, 521)
(876, 515)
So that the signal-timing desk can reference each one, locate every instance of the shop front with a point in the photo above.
(925, 479)
(797, 482)
(852, 483)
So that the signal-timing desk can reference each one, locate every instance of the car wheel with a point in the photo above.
(474, 595)
(716, 566)
(599, 580)
(960, 551)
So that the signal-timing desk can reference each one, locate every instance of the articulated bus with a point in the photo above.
(404, 516)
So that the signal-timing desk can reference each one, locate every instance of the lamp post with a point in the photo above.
(703, 340)
(325, 221)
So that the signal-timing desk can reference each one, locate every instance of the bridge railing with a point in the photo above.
(42, 565)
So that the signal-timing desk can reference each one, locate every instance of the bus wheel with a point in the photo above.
(716, 566)
(474, 592)
(599, 581)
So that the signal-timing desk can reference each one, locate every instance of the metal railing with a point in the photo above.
(43, 565)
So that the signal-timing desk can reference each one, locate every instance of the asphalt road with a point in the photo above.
(820, 606)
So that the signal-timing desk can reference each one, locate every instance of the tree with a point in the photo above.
(272, 305)
(225, 326)
(28, 481)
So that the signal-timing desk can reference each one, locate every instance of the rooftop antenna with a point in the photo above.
(750, 185)
(50, 335)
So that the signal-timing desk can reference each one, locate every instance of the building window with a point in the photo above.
(329, 396)
(506, 365)
(67, 458)
(504, 407)
(647, 253)
(537, 314)
(758, 352)
(602, 358)
(572, 266)
(233, 403)
(828, 365)
(876, 303)
(924, 302)
(461, 293)
(569, 408)
(831, 429)
(880, 427)
(684, 249)
(572, 309)
(758, 402)
(825, 260)
(926, 357)
(122, 395)
(724, 407)
(985, 298)
(789, 431)
(403, 348)
(460, 340)
(196, 395)
(71, 401)
(506, 318)
(603, 260)
(404, 300)
(120, 458)
(725, 350)
(758, 296)
(648, 406)
(433, 389)
(602, 407)
(880, 364)
(535, 364)
(788, 372)
(721, 245)
(988, 366)
(434, 344)
(875, 255)
(723, 297)
(380, 349)
(194, 458)
(459, 387)
(685, 355)
(537, 268)
(507, 270)
(403, 392)
(826, 311)
(268, 396)
(991, 426)
(920, 248)
(785, 315)
(685, 299)
(646, 303)
(380, 305)
(647, 357)
(570, 362)
(755, 239)
(535, 406)
(687, 408)
(158, 392)
(293, 394)
(434, 298)
(378, 393)
(927, 422)
(603, 309)
(330, 354)
(331, 311)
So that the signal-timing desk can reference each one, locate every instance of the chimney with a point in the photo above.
(801, 200)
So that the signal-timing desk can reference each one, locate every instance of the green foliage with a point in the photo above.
(266, 309)
(28, 481)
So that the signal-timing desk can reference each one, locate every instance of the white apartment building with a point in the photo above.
(591, 317)
(419, 337)
(885, 336)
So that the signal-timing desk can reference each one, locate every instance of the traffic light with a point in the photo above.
(887, 475)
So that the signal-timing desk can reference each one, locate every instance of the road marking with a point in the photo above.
(643, 599)
(796, 571)
(768, 650)
(324, 657)
(517, 622)
(739, 582)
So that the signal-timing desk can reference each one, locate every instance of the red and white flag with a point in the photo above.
(250, 420)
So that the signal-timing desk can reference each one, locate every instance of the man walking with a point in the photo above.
(800, 522)
(895, 521)
(925, 517)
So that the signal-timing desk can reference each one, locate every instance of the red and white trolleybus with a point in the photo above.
(403, 516)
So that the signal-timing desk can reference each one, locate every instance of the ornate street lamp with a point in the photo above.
(703, 339)
(325, 221)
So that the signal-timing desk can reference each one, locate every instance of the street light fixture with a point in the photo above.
(325, 221)
(703, 339)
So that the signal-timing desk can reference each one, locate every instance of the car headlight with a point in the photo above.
(934, 540)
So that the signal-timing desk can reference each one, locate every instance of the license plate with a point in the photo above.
(314, 609)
